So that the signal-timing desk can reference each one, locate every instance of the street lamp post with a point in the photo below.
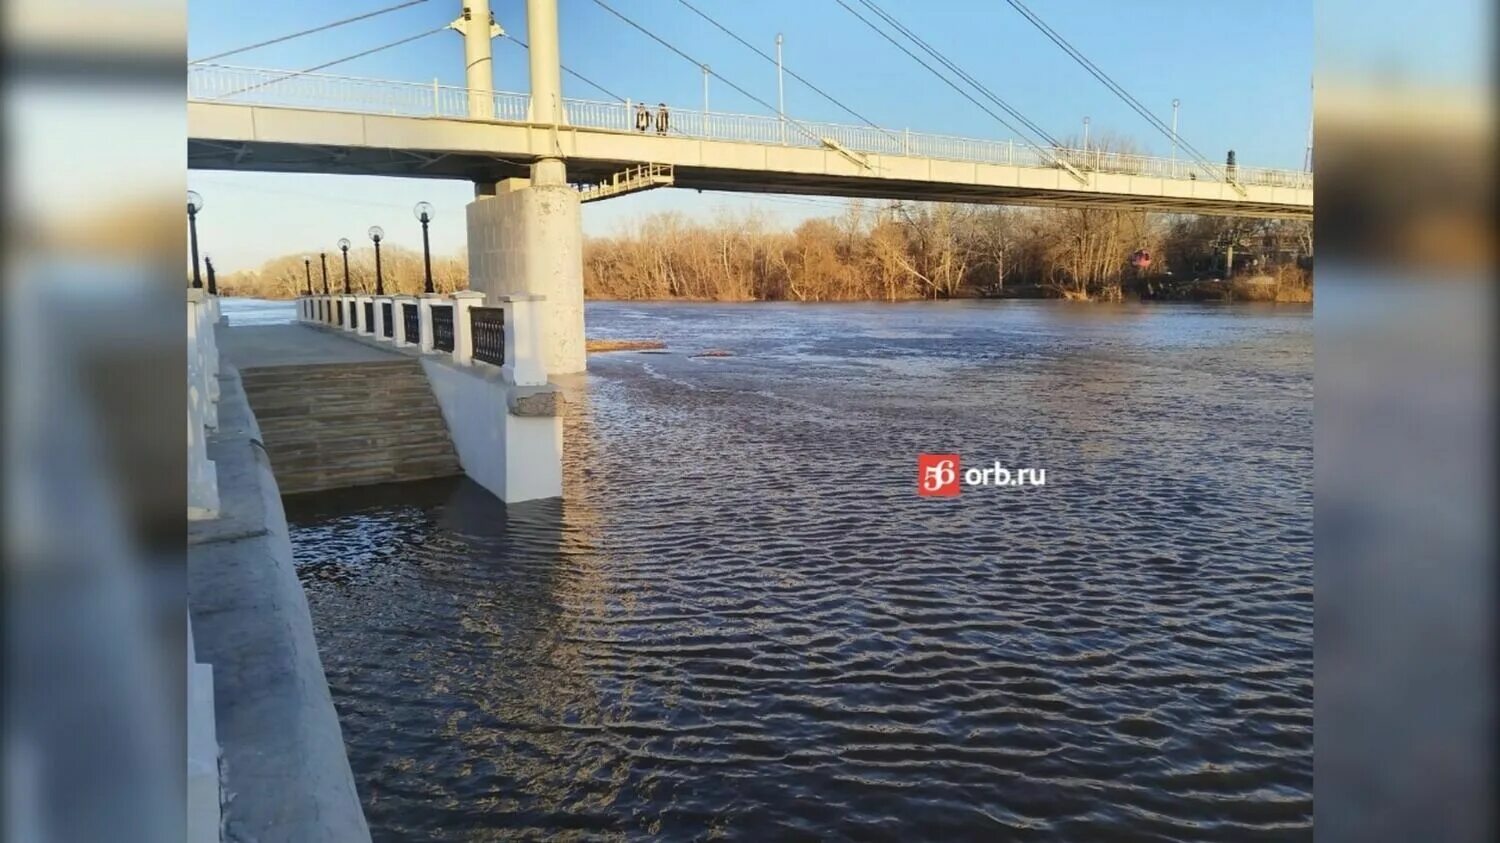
(344, 247)
(705, 97)
(376, 233)
(323, 259)
(194, 205)
(1085, 134)
(307, 268)
(1175, 103)
(1307, 163)
(780, 90)
(423, 212)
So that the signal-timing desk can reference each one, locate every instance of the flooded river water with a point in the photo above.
(742, 622)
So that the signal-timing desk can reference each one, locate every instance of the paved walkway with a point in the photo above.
(285, 774)
(253, 346)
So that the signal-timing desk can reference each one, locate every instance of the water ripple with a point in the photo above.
(741, 623)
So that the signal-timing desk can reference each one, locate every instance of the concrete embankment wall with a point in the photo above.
(286, 775)
(508, 438)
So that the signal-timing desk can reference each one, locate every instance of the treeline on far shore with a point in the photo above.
(886, 252)
(285, 277)
(905, 251)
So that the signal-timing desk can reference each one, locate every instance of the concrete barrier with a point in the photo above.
(508, 437)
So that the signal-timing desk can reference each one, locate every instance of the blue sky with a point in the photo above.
(1241, 69)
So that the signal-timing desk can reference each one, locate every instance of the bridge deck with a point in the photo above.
(275, 121)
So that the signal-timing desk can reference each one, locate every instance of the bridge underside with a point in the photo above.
(261, 156)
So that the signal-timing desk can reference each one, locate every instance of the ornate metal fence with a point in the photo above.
(488, 325)
(369, 324)
(442, 327)
(338, 312)
(387, 313)
(412, 316)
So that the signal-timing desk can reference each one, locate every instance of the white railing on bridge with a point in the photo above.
(289, 89)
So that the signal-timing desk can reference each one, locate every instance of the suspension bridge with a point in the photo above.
(518, 147)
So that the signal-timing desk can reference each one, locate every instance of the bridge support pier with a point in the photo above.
(527, 240)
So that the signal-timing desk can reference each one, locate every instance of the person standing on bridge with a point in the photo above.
(661, 118)
(642, 117)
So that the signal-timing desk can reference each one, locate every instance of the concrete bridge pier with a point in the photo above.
(526, 239)
(526, 235)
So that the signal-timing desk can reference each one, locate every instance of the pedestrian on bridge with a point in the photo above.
(661, 118)
(642, 117)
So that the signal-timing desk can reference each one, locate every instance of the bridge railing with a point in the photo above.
(251, 86)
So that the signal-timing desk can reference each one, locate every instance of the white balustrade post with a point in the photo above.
(398, 312)
(208, 315)
(380, 302)
(200, 359)
(523, 340)
(364, 320)
(424, 320)
(463, 332)
(202, 476)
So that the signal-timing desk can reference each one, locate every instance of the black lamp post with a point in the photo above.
(194, 205)
(323, 259)
(307, 268)
(344, 247)
(423, 211)
(376, 233)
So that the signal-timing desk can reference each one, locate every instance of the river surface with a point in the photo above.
(742, 622)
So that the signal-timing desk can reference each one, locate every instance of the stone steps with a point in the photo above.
(327, 426)
(331, 419)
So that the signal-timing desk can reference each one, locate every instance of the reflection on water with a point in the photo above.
(743, 623)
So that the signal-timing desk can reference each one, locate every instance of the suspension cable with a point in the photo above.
(762, 53)
(714, 73)
(329, 64)
(960, 72)
(321, 28)
(1046, 155)
(1114, 87)
(611, 94)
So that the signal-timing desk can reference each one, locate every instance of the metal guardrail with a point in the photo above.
(369, 324)
(289, 89)
(630, 180)
(411, 317)
(388, 323)
(442, 327)
(488, 327)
